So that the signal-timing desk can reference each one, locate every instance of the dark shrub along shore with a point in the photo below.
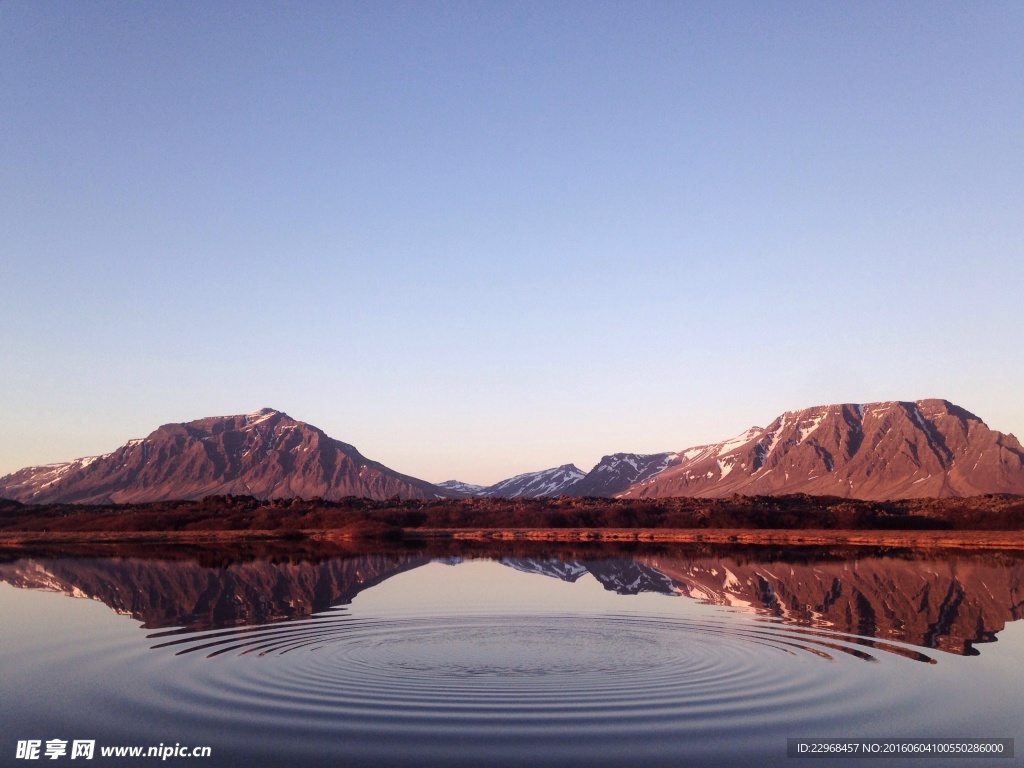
(396, 517)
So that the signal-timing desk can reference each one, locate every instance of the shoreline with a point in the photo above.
(770, 536)
(911, 539)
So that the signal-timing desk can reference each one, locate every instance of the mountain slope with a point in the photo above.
(887, 450)
(617, 472)
(611, 475)
(878, 451)
(266, 454)
(460, 487)
(546, 482)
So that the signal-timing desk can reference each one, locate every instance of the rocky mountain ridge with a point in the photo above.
(613, 474)
(873, 451)
(265, 454)
(546, 482)
(877, 451)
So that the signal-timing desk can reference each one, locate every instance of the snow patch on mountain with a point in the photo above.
(618, 471)
(870, 451)
(546, 482)
(458, 486)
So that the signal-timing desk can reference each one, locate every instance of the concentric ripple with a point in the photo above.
(467, 638)
(485, 688)
(489, 675)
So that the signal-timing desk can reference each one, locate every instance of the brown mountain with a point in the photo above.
(266, 454)
(889, 450)
(617, 472)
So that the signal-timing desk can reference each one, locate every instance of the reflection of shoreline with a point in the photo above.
(950, 603)
(915, 539)
(223, 554)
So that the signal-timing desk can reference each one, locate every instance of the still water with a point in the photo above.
(533, 657)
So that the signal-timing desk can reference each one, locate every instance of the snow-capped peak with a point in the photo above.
(546, 482)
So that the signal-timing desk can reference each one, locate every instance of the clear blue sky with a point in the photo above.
(476, 239)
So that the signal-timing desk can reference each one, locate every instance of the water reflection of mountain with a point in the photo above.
(624, 576)
(949, 603)
(183, 593)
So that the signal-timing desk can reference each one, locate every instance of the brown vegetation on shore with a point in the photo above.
(755, 519)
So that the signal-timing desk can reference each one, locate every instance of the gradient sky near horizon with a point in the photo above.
(475, 239)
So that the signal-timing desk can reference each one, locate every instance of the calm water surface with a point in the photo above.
(674, 657)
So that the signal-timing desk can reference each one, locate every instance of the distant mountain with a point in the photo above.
(547, 482)
(612, 474)
(887, 450)
(460, 487)
(266, 454)
(617, 472)
(878, 451)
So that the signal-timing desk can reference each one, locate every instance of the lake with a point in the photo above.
(531, 655)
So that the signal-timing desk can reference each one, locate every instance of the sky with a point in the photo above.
(475, 239)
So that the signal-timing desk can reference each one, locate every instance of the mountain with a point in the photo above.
(617, 472)
(611, 475)
(266, 454)
(887, 450)
(547, 482)
(460, 487)
(878, 451)
(556, 481)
